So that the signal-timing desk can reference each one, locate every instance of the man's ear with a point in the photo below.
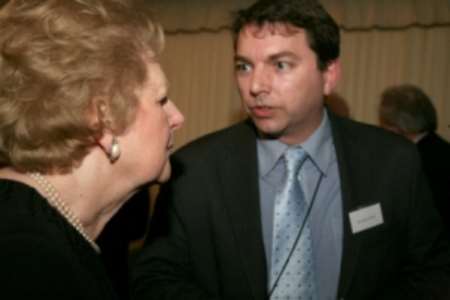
(331, 76)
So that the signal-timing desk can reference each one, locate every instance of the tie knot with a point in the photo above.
(294, 157)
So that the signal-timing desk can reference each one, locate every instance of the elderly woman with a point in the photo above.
(84, 122)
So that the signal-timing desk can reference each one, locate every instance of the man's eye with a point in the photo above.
(282, 65)
(242, 67)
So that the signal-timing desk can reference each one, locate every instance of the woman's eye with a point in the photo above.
(163, 100)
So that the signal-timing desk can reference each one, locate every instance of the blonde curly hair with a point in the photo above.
(59, 62)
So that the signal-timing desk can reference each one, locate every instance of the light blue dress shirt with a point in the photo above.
(326, 215)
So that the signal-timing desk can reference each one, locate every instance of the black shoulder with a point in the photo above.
(371, 146)
(367, 135)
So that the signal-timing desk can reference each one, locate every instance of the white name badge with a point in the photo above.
(366, 217)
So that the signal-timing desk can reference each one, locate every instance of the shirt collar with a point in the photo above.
(319, 147)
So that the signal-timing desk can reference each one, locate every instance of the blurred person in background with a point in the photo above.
(408, 111)
(85, 121)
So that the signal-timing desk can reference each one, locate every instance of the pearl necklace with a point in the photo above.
(54, 199)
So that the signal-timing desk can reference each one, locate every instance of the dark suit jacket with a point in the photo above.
(435, 154)
(206, 237)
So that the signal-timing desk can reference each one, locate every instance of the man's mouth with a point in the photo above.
(261, 111)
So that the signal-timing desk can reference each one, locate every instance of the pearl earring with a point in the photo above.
(114, 150)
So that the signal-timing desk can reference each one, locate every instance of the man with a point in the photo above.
(365, 228)
(408, 111)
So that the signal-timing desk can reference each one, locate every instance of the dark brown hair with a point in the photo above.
(321, 30)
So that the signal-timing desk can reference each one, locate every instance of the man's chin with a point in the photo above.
(266, 131)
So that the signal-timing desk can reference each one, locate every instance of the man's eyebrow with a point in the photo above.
(240, 58)
(282, 54)
(273, 57)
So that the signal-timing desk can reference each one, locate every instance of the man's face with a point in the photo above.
(279, 81)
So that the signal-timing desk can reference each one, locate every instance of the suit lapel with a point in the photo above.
(240, 182)
(347, 150)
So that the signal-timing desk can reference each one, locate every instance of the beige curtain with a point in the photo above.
(384, 42)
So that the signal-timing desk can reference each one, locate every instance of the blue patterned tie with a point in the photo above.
(292, 274)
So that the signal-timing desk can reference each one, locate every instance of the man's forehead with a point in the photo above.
(276, 28)
(270, 40)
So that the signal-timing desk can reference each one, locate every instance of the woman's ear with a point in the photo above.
(110, 145)
(98, 116)
(102, 113)
(108, 141)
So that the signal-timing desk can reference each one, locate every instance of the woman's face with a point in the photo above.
(147, 143)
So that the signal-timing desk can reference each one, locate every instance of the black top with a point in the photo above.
(41, 255)
(128, 224)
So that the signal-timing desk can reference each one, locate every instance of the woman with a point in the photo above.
(84, 122)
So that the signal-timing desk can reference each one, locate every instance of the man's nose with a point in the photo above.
(260, 81)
